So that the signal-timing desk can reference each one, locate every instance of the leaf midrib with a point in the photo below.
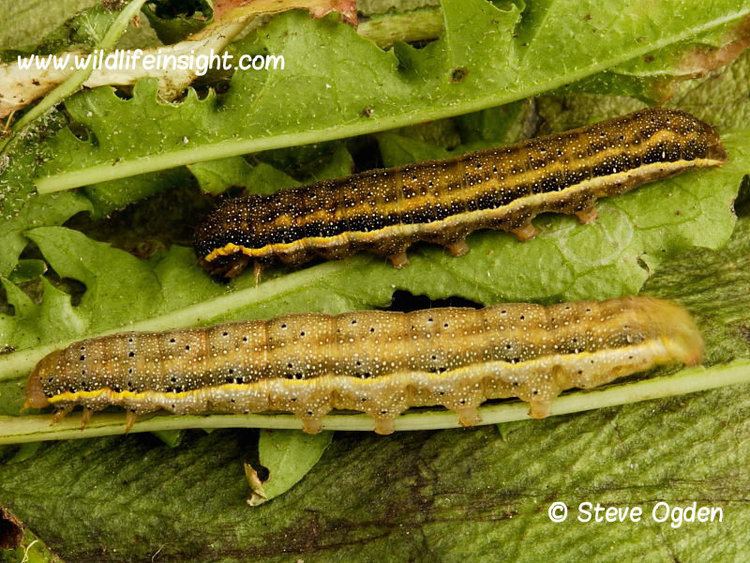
(224, 149)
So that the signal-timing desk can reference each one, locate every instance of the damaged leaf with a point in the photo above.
(174, 21)
(286, 456)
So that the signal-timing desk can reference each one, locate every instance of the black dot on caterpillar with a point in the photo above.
(386, 211)
(454, 357)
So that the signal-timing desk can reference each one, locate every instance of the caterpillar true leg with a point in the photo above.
(130, 419)
(86, 416)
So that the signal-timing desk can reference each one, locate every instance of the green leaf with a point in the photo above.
(722, 100)
(407, 26)
(215, 176)
(454, 492)
(103, 29)
(173, 21)
(106, 197)
(437, 495)
(457, 74)
(43, 211)
(28, 270)
(287, 455)
(308, 163)
(74, 256)
(34, 19)
(25, 451)
(676, 59)
(53, 318)
(85, 29)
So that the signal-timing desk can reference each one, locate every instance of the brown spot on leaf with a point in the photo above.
(703, 59)
(11, 530)
(459, 73)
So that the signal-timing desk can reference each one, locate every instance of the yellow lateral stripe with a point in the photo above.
(468, 193)
(83, 396)
(453, 220)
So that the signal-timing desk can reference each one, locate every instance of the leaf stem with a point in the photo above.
(226, 148)
(22, 429)
(415, 25)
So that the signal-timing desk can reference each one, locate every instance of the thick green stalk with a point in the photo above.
(22, 429)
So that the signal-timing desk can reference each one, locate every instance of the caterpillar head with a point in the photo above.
(680, 335)
(35, 395)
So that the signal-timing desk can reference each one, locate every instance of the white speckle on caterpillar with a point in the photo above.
(380, 363)
(441, 202)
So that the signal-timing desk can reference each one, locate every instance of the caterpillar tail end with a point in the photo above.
(716, 151)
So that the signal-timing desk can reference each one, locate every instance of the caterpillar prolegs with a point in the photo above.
(385, 211)
(376, 362)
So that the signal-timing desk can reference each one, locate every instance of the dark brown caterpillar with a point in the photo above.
(385, 211)
(378, 362)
